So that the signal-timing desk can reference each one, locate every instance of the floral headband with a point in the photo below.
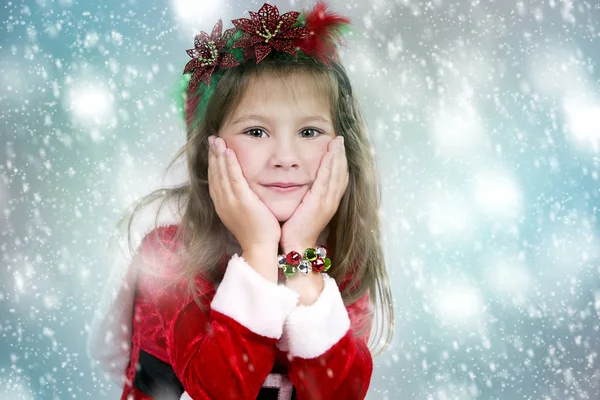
(314, 33)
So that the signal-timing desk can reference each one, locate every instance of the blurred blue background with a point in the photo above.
(485, 121)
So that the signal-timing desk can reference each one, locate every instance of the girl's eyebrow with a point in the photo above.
(257, 117)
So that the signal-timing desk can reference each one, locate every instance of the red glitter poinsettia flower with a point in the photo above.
(266, 30)
(206, 56)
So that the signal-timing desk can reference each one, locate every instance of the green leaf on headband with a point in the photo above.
(179, 94)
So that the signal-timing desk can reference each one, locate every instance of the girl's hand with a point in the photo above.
(242, 212)
(320, 203)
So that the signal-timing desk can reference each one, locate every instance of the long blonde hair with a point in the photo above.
(354, 231)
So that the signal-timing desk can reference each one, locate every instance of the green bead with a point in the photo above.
(289, 271)
(327, 262)
(310, 254)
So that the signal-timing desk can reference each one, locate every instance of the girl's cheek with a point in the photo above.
(243, 158)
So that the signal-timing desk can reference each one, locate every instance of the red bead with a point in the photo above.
(293, 258)
(318, 264)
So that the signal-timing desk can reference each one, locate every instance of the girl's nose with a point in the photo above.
(286, 152)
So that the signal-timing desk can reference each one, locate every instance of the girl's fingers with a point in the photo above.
(321, 183)
(223, 173)
(341, 171)
(336, 165)
(218, 175)
(213, 181)
(333, 176)
(232, 183)
(237, 179)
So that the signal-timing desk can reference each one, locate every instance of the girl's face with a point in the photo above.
(279, 132)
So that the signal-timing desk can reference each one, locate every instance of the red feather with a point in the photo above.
(323, 28)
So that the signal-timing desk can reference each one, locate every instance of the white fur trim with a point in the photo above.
(248, 298)
(185, 396)
(109, 341)
(310, 331)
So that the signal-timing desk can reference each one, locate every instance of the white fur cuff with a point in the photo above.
(310, 331)
(245, 296)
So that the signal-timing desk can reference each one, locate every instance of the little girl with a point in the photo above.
(256, 278)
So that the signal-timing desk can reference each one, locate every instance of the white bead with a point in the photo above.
(281, 261)
(321, 252)
(305, 267)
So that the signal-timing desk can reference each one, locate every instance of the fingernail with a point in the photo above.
(340, 142)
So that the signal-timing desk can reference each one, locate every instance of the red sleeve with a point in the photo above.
(330, 361)
(229, 351)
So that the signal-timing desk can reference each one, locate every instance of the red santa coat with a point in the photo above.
(254, 342)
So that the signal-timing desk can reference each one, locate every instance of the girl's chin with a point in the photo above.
(282, 216)
(282, 213)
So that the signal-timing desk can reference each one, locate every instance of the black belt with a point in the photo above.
(157, 379)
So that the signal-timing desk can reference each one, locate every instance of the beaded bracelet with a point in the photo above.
(314, 259)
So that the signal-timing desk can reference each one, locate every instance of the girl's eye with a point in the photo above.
(254, 131)
(313, 130)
